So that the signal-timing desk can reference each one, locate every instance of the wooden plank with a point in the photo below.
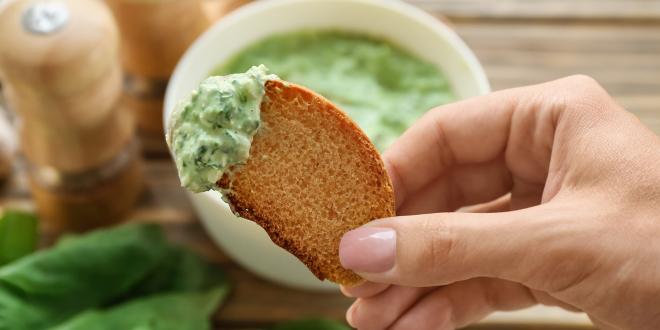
(164, 200)
(560, 10)
(624, 59)
(560, 35)
(255, 302)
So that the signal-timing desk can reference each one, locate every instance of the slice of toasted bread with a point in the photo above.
(312, 175)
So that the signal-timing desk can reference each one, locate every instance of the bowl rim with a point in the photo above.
(405, 9)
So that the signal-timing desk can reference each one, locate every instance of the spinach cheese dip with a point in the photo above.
(212, 130)
(379, 85)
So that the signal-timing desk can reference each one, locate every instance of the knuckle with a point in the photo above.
(436, 246)
(581, 97)
(442, 318)
(586, 91)
(583, 80)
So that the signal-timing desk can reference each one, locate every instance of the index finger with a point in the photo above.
(509, 132)
(470, 131)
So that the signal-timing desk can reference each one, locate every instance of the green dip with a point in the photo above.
(212, 130)
(381, 86)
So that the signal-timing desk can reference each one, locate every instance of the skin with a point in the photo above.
(557, 189)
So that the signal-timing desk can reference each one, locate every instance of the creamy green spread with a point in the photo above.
(380, 86)
(211, 131)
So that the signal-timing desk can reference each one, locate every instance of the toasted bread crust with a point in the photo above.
(312, 175)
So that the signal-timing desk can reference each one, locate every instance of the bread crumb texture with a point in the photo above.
(312, 175)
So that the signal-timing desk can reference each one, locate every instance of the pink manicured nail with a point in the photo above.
(368, 249)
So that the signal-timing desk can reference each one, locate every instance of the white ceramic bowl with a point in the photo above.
(402, 24)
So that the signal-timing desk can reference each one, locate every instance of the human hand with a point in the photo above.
(562, 189)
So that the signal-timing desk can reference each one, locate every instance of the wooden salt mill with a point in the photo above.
(154, 36)
(60, 69)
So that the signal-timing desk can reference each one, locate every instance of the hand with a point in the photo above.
(562, 189)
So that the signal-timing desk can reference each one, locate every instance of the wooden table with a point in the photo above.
(519, 42)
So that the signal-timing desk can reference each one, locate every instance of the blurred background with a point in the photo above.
(81, 138)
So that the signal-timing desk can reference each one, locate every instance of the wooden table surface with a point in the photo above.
(519, 42)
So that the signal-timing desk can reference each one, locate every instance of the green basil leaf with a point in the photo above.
(98, 270)
(18, 235)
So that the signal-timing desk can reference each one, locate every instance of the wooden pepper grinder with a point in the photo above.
(154, 36)
(60, 68)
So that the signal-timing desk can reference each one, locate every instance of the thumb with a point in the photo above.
(442, 248)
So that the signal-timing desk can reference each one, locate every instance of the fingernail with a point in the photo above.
(368, 249)
(349, 313)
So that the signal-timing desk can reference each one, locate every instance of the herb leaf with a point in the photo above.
(99, 271)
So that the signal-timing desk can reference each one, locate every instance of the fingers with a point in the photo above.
(465, 185)
(446, 307)
(449, 307)
(463, 303)
(536, 246)
(380, 311)
(364, 290)
(515, 125)
(474, 131)
(439, 141)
